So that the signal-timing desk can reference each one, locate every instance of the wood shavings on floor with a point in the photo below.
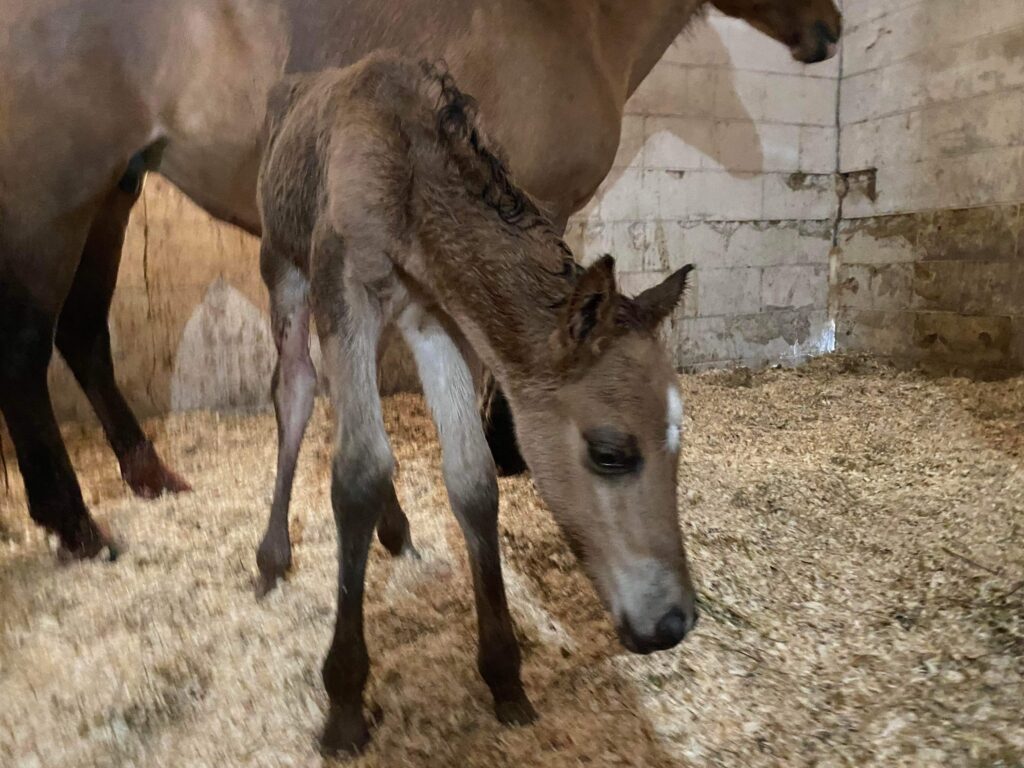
(856, 535)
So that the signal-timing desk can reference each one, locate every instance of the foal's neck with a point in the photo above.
(505, 289)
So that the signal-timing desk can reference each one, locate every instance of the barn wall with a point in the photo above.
(930, 264)
(727, 161)
(189, 323)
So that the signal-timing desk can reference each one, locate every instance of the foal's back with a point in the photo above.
(337, 157)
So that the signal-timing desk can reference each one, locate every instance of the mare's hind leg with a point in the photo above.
(361, 489)
(83, 339)
(293, 389)
(499, 428)
(31, 289)
(469, 475)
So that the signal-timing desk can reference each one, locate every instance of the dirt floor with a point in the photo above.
(856, 535)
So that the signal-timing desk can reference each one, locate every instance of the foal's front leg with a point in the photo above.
(361, 490)
(470, 478)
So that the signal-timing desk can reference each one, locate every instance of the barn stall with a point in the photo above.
(854, 523)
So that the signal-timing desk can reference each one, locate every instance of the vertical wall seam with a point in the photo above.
(840, 183)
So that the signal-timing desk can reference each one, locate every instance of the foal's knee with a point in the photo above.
(474, 492)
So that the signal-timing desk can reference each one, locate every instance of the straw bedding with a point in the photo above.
(855, 532)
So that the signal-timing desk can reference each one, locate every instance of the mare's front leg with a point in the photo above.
(470, 478)
(293, 389)
(361, 490)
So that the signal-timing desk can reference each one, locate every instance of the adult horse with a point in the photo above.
(93, 93)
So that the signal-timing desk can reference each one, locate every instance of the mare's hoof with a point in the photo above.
(346, 732)
(515, 711)
(147, 475)
(92, 540)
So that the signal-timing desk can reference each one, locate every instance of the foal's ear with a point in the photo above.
(657, 303)
(590, 311)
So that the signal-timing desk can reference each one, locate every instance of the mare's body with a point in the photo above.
(94, 93)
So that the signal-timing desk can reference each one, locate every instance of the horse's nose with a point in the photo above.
(818, 43)
(674, 626)
(668, 632)
(826, 33)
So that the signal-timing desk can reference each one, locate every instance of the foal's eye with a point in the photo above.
(610, 452)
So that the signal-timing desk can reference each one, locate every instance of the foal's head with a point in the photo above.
(602, 440)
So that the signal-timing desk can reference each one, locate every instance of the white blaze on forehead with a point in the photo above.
(674, 417)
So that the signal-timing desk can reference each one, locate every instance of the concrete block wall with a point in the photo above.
(930, 259)
(727, 160)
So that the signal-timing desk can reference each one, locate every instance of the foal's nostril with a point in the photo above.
(672, 628)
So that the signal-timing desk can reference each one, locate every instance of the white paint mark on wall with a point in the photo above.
(226, 356)
(820, 343)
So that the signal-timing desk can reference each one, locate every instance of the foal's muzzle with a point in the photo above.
(668, 632)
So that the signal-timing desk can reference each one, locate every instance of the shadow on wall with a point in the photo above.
(684, 118)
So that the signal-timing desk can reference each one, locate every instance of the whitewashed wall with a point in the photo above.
(931, 259)
(727, 161)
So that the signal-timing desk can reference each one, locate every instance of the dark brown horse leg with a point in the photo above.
(83, 339)
(361, 489)
(499, 428)
(472, 485)
(54, 497)
(293, 389)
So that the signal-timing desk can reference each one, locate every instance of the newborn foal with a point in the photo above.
(382, 202)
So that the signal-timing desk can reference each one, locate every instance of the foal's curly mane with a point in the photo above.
(481, 165)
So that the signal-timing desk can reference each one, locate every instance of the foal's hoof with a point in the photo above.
(92, 540)
(409, 551)
(346, 732)
(147, 475)
(396, 540)
(274, 560)
(515, 711)
(265, 585)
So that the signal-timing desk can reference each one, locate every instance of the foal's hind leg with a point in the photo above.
(361, 488)
(293, 390)
(469, 475)
(83, 339)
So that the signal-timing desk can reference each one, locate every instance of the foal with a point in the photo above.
(382, 202)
